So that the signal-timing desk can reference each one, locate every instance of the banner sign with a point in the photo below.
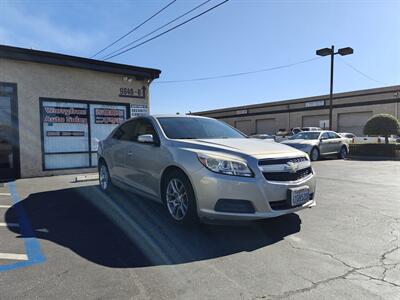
(75, 115)
(139, 110)
(109, 115)
(65, 133)
(315, 103)
(242, 112)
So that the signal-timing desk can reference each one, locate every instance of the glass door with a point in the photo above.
(8, 133)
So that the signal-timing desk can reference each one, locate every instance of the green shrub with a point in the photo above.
(383, 125)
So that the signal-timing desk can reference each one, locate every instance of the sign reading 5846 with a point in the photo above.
(133, 93)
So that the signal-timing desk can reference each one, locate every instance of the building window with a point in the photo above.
(71, 131)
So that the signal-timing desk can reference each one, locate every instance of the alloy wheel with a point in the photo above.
(343, 153)
(103, 177)
(177, 199)
(314, 154)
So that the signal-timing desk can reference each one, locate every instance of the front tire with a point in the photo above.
(314, 155)
(179, 199)
(342, 153)
(104, 177)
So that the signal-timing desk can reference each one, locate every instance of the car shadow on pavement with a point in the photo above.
(123, 230)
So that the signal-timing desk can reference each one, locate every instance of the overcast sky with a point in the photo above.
(238, 36)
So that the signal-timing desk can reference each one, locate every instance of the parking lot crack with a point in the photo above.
(321, 253)
(381, 279)
(312, 287)
(351, 269)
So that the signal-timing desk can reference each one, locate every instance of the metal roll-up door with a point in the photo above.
(353, 122)
(244, 126)
(314, 121)
(266, 126)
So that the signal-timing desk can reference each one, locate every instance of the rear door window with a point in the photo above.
(125, 132)
(333, 135)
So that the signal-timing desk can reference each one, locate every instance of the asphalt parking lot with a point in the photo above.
(66, 240)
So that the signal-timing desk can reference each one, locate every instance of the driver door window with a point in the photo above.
(325, 136)
(143, 127)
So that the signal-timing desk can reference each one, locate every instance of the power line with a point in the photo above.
(240, 73)
(161, 27)
(361, 73)
(135, 28)
(166, 31)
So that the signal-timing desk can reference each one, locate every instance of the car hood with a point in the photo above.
(254, 147)
(300, 141)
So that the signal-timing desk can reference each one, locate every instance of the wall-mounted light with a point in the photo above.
(128, 79)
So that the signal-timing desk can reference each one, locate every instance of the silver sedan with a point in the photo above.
(319, 143)
(203, 169)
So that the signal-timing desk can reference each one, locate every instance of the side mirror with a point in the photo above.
(146, 138)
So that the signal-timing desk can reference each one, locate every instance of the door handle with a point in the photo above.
(130, 153)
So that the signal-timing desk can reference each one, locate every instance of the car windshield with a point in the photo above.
(306, 136)
(197, 128)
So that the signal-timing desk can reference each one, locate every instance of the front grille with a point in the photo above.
(285, 169)
(281, 161)
(286, 176)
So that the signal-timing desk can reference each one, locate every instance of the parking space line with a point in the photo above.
(5, 194)
(5, 206)
(9, 225)
(32, 246)
(13, 256)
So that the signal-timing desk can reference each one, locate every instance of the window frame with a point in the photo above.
(327, 134)
(156, 137)
(334, 135)
(89, 152)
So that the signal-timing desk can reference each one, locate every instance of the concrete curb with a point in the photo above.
(370, 158)
(89, 177)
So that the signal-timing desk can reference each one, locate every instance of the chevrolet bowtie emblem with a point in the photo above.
(291, 167)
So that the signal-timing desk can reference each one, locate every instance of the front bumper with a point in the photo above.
(210, 187)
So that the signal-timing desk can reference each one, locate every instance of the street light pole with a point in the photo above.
(331, 89)
(332, 53)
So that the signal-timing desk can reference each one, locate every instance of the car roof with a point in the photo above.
(176, 116)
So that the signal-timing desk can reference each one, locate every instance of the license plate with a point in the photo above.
(300, 195)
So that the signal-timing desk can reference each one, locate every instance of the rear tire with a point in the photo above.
(104, 177)
(179, 199)
(314, 154)
(342, 153)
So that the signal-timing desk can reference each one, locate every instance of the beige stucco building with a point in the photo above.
(351, 110)
(54, 108)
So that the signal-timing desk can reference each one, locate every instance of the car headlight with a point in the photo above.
(226, 166)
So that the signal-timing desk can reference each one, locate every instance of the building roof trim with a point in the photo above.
(58, 59)
(381, 90)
